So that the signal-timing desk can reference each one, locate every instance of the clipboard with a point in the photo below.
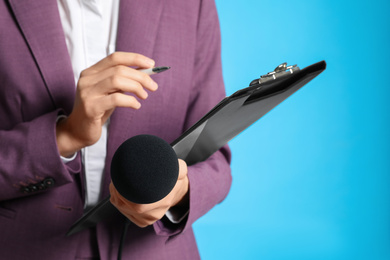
(222, 123)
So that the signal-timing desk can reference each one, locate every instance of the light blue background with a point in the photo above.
(311, 179)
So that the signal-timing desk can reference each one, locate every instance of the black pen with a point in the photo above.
(155, 70)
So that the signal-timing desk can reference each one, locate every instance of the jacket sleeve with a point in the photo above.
(209, 181)
(29, 159)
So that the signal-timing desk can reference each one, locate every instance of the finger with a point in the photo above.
(120, 71)
(113, 196)
(150, 212)
(143, 220)
(155, 214)
(117, 200)
(100, 107)
(140, 222)
(119, 84)
(183, 170)
(118, 100)
(135, 221)
(121, 58)
(125, 207)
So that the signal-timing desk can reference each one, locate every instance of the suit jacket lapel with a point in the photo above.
(137, 31)
(41, 26)
(138, 25)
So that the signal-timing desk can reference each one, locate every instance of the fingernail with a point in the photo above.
(154, 85)
(150, 62)
(145, 95)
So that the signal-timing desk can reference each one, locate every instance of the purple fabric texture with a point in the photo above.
(37, 85)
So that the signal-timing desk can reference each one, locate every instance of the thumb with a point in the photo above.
(183, 170)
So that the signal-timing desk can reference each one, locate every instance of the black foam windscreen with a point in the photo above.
(144, 169)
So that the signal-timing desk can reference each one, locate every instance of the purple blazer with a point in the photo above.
(40, 197)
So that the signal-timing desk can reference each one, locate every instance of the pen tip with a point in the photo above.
(160, 69)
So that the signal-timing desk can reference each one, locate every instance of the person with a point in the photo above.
(71, 93)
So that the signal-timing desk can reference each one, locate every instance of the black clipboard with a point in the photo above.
(222, 123)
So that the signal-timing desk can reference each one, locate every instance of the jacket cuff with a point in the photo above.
(209, 183)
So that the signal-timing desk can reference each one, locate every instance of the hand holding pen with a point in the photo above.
(100, 89)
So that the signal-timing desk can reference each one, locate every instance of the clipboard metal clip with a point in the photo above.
(279, 72)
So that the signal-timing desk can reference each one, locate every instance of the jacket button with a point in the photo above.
(41, 186)
(26, 190)
(33, 188)
(49, 182)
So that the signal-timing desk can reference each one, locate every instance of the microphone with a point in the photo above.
(144, 169)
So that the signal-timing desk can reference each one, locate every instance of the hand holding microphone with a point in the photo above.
(147, 179)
